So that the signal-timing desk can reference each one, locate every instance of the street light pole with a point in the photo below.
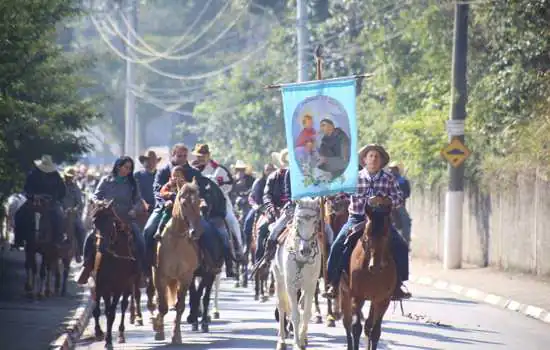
(130, 99)
(452, 237)
(302, 36)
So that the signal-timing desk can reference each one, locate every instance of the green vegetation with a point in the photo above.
(41, 107)
(408, 45)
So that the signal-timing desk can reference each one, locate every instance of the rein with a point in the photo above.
(124, 226)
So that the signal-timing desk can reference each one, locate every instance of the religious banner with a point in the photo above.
(321, 135)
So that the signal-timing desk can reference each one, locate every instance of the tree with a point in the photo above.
(40, 102)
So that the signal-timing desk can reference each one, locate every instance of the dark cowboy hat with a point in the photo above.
(150, 154)
(374, 147)
(201, 149)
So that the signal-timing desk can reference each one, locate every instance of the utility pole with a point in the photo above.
(302, 36)
(452, 237)
(130, 101)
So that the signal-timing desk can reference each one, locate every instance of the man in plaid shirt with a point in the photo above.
(373, 180)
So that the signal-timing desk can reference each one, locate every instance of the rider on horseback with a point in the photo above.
(373, 180)
(73, 201)
(120, 187)
(42, 181)
(277, 199)
(222, 177)
(243, 184)
(146, 176)
(168, 193)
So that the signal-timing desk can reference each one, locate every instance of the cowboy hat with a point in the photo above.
(45, 164)
(200, 149)
(398, 165)
(239, 164)
(148, 155)
(280, 157)
(374, 147)
(69, 171)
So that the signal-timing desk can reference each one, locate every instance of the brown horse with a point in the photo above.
(261, 274)
(135, 298)
(117, 269)
(68, 249)
(41, 242)
(336, 215)
(177, 258)
(372, 276)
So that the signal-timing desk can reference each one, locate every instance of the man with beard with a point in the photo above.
(334, 150)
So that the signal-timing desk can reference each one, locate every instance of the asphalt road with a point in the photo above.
(433, 320)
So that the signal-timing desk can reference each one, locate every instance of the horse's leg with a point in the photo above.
(150, 290)
(257, 286)
(30, 267)
(347, 317)
(99, 335)
(307, 294)
(216, 311)
(208, 283)
(280, 314)
(66, 270)
(318, 317)
(132, 304)
(42, 283)
(194, 301)
(373, 325)
(237, 275)
(111, 313)
(180, 308)
(136, 294)
(271, 284)
(356, 306)
(123, 307)
(294, 303)
(158, 321)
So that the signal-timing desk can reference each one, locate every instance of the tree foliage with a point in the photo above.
(40, 103)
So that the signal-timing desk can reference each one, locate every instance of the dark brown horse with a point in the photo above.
(372, 276)
(117, 270)
(261, 274)
(68, 249)
(40, 241)
(135, 298)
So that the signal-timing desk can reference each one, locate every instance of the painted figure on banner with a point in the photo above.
(321, 131)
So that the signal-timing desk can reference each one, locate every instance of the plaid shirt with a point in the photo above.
(383, 183)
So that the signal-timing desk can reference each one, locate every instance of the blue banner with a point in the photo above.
(321, 135)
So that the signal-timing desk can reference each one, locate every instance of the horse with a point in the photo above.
(68, 249)
(261, 274)
(177, 258)
(209, 269)
(336, 215)
(372, 276)
(41, 242)
(116, 272)
(296, 267)
(242, 207)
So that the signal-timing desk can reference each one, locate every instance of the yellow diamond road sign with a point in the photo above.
(455, 152)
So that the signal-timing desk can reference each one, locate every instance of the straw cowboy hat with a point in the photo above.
(200, 149)
(239, 164)
(45, 164)
(281, 157)
(374, 147)
(69, 172)
(150, 154)
(397, 165)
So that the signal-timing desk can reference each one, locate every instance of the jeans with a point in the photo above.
(340, 253)
(405, 223)
(212, 228)
(139, 246)
(151, 228)
(281, 222)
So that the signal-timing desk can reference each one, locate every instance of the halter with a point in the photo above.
(123, 225)
(295, 237)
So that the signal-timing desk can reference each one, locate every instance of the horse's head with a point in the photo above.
(103, 215)
(306, 223)
(377, 230)
(41, 203)
(188, 208)
(337, 204)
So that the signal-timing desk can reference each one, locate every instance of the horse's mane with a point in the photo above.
(186, 188)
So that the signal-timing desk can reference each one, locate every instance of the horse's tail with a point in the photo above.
(172, 293)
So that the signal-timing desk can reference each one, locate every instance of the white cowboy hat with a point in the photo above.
(397, 165)
(281, 157)
(239, 164)
(45, 164)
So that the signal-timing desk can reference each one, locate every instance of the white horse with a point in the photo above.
(297, 265)
(12, 205)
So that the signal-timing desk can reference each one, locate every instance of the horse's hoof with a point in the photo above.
(208, 319)
(205, 328)
(121, 339)
(216, 315)
(331, 323)
(256, 297)
(109, 346)
(139, 321)
(245, 284)
(195, 327)
(318, 319)
(159, 336)
(190, 319)
(281, 346)
(237, 285)
(264, 298)
(176, 340)
(132, 319)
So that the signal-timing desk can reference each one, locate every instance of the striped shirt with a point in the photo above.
(383, 184)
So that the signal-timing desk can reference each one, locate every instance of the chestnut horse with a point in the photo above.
(261, 274)
(177, 258)
(372, 276)
(117, 270)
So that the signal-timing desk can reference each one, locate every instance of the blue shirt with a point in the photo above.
(145, 181)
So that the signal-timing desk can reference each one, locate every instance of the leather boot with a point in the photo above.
(85, 273)
(400, 294)
(270, 249)
(229, 266)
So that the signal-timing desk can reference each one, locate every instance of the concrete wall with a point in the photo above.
(509, 229)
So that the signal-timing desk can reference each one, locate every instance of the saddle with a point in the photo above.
(355, 232)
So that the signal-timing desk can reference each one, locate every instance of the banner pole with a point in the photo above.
(324, 247)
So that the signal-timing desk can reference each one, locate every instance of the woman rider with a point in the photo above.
(120, 187)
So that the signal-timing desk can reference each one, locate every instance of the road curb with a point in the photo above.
(481, 296)
(76, 325)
